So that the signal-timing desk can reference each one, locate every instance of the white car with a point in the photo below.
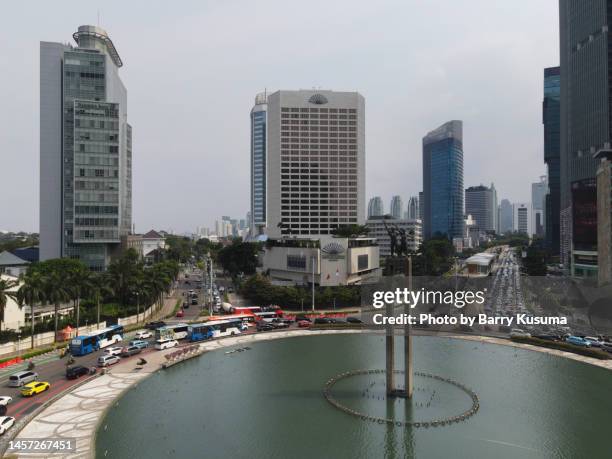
(143, 334)
(6, 422)
(115, 350)
(5, 400)
(162, 344)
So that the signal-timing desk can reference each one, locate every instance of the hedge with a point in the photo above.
(563, 346)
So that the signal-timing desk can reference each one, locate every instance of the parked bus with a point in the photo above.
(214, 329)
(172, 331)
(86, 344)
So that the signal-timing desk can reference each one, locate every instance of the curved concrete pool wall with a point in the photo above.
(79, 413)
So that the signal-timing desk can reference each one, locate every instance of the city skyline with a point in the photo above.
(205, 154)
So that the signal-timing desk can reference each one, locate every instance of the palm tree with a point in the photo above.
(31, 292)
(6, 291)
(56, 293)
(80, 280)
(97, 287)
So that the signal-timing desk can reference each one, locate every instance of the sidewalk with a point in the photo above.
(77, 414)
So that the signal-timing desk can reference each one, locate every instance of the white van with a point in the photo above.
(21, 378)
(107, 360)
(162, 344)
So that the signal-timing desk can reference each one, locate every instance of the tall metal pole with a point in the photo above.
(211, 286)
(408, 341)
(389, 354)
(313, 283)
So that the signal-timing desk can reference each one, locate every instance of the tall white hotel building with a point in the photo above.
(315, 162)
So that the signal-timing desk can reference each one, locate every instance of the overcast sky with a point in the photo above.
(192, 69)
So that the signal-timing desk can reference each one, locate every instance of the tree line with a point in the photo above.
(68, 281)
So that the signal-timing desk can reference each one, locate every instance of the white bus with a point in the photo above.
(214, 329)
(173, 331)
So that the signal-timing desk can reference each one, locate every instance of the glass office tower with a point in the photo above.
(258, 164)
(551, 118)
(85, 150)
(443, 181)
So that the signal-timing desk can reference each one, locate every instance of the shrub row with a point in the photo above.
(563, 346)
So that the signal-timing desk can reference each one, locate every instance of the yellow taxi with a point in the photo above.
(34, 388)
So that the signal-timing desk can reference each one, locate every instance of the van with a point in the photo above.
(162, 344)
(106, 360)
(21, 378)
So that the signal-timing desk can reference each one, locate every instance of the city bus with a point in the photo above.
(245, 309)
(243, 317)
(267, 316)
(86, 344)
(172, 331)
(214, 329)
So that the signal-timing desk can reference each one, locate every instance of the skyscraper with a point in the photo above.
(538, 202)
(421, 205)
(376, 207)
(443, 181)
(413, 208)
(521, 218)
(85, 150)
(315, 162)
(505, 216)
(481, 204)
(551, 114)
(396, 207)
(258, 164)
(586, 100)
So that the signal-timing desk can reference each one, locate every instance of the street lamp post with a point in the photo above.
(313, 283)
(137, 307)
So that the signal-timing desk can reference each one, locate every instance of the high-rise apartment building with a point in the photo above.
(481, 204)
(505, 216)
(315, 162)
(85, 150)
(521, 218)
(376, 207)
(586, 106)
(258, 165)
(443, 181)
(395, 209)
(538, 204)
(413, 208)
(551, 118)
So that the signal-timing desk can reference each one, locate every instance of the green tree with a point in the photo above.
(6, 291)
(123, 271)
(31, 293)
(56, 293)
(99, 286)
(351, 231)
(239, 257)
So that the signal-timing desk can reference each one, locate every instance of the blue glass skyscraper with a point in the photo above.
(551, 118)
(443, 181)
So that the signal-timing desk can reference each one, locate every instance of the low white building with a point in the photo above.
(14, 316)
(328, 260)
(152, 241)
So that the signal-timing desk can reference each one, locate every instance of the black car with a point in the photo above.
(194, 301)
(324, 320)
(265, 326)
(155, 325)
(354, 320)
(76, 372)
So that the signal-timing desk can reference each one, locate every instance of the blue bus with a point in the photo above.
(86, 344)
(214, 329)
